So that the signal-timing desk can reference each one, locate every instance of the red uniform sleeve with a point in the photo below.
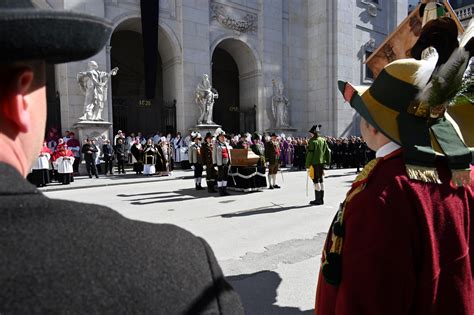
(378, 270)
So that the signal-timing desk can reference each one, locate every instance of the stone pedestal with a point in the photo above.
(203, 129)
(92, 129)
(288, 131)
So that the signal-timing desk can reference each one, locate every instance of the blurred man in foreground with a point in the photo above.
(66, 257)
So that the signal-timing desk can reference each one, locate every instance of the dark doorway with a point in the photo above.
(132, 112)
(53, 119)
(225, 79)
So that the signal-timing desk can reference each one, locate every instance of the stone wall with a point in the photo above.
(308, 45)
(338, 35)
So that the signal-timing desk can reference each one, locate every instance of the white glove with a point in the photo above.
(204, 167)
(267, 164)
(192, 167)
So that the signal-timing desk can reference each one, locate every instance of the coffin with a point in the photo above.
(243, 157)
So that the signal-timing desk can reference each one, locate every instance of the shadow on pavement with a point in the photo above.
(139, 203)
(341, 175)
(258, 292)
(263, 210)
(144, 194)
(171, 196)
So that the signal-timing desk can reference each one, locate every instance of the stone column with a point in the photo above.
(108, 110)
(271, 47)
(196, 59)
(72, 98)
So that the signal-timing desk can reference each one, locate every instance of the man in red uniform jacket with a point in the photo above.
(401, 242)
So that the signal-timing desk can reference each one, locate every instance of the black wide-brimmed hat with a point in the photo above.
(315, 128)
(56, 36)
(208, 135)
(273, 135)
(256, 136)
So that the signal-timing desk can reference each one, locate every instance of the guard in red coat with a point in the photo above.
(402, 241)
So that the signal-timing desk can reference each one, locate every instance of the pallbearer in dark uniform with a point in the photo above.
(258, 149)
(317, 156)
(272, 157)
(211, 175)
(221, 159)
(195, 159)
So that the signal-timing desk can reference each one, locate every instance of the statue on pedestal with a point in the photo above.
(204, 97)
(280, 106)
(93, 84)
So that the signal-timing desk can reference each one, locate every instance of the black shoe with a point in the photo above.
(317, 199)
(90, 176)
(321, 197)
(271, 187)
(276, 187)
(210, 187)
(225, 191)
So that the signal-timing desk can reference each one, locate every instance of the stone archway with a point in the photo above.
(132, 112)
(235, 74)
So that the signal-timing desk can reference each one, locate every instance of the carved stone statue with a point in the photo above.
(93, 84)
(280, 106)
(204, 97)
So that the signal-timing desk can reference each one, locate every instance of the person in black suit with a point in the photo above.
(65, 257)
(89, 150)
(108, 151)
(120, 152)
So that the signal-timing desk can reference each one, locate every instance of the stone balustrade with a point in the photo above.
(465, 12)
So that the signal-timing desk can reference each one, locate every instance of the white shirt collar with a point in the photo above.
(386, 149)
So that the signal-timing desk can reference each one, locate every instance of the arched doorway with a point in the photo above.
(53, 120)
(225, 79)
(132, 112)
(235, 75)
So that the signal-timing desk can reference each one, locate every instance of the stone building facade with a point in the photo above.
(243, 45)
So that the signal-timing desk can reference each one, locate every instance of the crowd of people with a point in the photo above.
(159, 154)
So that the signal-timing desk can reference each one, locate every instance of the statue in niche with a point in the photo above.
(93, 84)
(280, 106)
(204, 97)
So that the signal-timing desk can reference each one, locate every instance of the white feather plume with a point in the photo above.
(219, 132)
(424, 72)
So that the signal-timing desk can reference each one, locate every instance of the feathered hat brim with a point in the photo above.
(387, 105)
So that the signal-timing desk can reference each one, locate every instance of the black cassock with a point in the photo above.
(160, 160)
(138, 155)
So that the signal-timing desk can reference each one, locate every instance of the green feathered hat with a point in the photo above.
(417, 104)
